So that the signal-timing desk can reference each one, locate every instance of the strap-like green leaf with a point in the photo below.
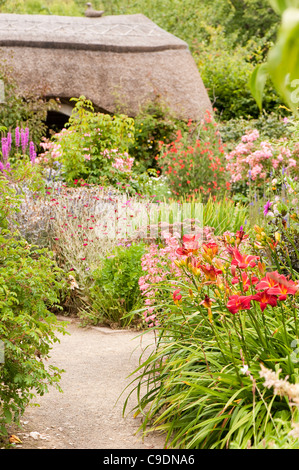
(283, 60)
(279, 6)
(257, 82)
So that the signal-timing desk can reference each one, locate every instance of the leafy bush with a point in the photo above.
(30, 286)
(226, 71)
(153, 124)
(93, 147)
(194, 162)
(270, 127)
(115, 293)
(282, 64)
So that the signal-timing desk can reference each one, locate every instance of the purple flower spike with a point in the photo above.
(17, 137)
(267, 207)
(9, 139)
(4, 148)
(32, 152)
(24, 138)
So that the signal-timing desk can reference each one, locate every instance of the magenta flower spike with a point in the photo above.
(17, 137)
(32, 152)
(24, 138)
(4, 148)
(9, 140)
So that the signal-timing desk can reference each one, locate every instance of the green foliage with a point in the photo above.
(226, 70)
(9, 203)
(270, 126)
(47, 7)
(282, 65)
(30, 286)
(245, 19)
(91, 141)
(153, 124)
(115, 291)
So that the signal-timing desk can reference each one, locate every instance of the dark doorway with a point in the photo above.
(55, 122)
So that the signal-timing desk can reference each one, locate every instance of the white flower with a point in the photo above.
(244, 369)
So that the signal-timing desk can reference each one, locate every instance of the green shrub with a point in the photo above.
(226, 71)
(93, 146)
(270, 126)
(115, 291)
(153, 124)
(30, 285)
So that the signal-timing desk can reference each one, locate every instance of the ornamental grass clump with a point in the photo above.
(226, 311)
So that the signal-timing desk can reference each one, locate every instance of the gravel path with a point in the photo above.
(87, 415)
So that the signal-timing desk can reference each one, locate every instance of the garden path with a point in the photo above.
(87, 415)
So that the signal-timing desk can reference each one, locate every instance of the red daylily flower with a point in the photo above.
(207, 303)
(240, 235)
(243, 261)
(210, 249)
(246, 281)
(283, 286)
(176, 295)
(239, 302)
(210, 272)
(268, 281)
(264, 298)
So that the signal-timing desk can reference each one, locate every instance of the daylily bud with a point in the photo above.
(217, 292)
(257, 229)
(263, 235)
(207, 258)
(218, 263)
(261, 267)
(180, 263)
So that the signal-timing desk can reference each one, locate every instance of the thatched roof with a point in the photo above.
(111, 60)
